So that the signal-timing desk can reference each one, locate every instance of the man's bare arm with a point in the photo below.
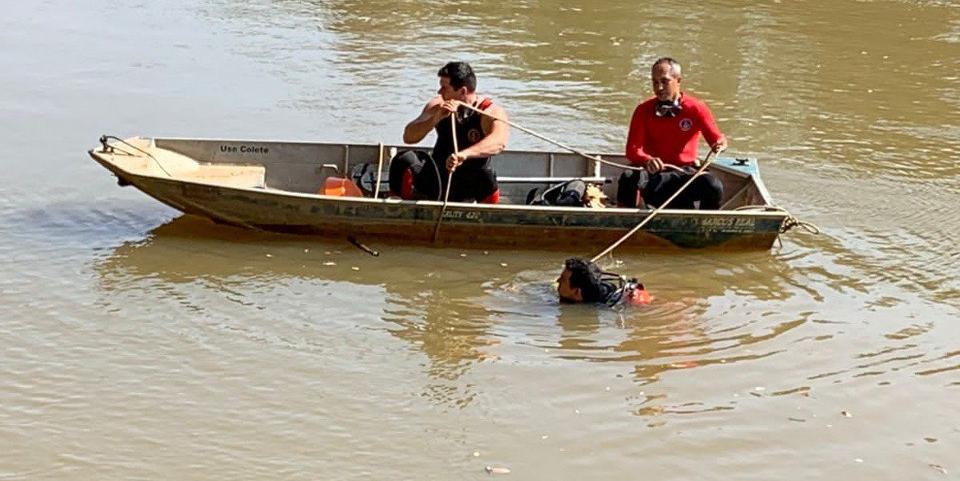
(436, 110)
(497, 135)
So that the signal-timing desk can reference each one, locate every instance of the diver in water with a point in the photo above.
(583, 282)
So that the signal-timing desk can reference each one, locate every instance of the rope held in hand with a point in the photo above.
(706, 163)
(446, 195)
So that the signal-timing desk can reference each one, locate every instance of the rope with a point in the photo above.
(554, 142)
(103, 141)
(446, 196)
(376, 189)
(789, 223)
(706, 163)
(792, 222)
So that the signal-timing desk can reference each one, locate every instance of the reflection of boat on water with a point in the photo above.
(198, 268)
(456, 317)
(272, 186)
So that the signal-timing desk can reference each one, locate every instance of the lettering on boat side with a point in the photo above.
(729, 224)
(461, 215)
(244, 149)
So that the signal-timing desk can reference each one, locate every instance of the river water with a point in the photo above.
(139, 344)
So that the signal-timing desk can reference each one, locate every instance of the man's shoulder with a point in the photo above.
(488, 104)
(493, 108)
(647, 105)
(690, 101)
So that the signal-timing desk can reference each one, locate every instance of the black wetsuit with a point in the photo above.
(473, 180)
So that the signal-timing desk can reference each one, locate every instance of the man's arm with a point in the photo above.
(636, 137)
(495, 140)
(491, 144)
(419, 127)
(711, 133)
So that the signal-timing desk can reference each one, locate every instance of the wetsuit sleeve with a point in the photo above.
(711, 133)
(636, 137)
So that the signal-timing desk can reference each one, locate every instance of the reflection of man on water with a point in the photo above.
(583, 282)
(418, 175)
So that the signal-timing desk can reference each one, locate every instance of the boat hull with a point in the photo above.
(464, 225)
(238, 196)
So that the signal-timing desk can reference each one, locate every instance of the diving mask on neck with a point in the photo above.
(668, 108)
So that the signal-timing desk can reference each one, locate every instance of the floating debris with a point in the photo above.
(939, 468)
(476, 454)
(497, 470)
(859, 460)
(355, 268)
(329, 263)
(503, 264)
(269, 255)
(462, 254)
(846, 414)
(306, 250)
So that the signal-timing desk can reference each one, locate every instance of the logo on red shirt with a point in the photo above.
(685, 124)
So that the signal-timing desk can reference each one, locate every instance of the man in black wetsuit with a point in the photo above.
(418, 175)
(583, 281)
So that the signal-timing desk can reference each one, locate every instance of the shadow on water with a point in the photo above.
(463, 308)
(458, 306)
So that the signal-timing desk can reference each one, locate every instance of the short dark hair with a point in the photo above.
(675, 67)
(460, 75)
(586, 276)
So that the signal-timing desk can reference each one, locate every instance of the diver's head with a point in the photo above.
(580, 281)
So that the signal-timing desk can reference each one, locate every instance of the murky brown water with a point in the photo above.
(138, 344)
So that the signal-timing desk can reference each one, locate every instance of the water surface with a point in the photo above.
(141, 344)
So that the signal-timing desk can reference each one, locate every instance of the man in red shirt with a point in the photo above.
(663, 137)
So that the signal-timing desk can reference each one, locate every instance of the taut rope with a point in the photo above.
(706, 163)
(376, 189)
(554, 142)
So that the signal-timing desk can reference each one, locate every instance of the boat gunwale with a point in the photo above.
(97, 155)
(154, 140)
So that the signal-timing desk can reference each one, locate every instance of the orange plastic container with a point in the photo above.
(340, 187)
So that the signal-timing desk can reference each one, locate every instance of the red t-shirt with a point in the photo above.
(673, 139)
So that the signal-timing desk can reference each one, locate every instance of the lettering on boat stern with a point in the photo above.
(244, 149)
(729, 224)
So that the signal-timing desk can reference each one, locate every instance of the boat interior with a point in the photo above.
(318, 168)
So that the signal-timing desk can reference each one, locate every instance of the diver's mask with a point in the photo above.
(667, 108)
